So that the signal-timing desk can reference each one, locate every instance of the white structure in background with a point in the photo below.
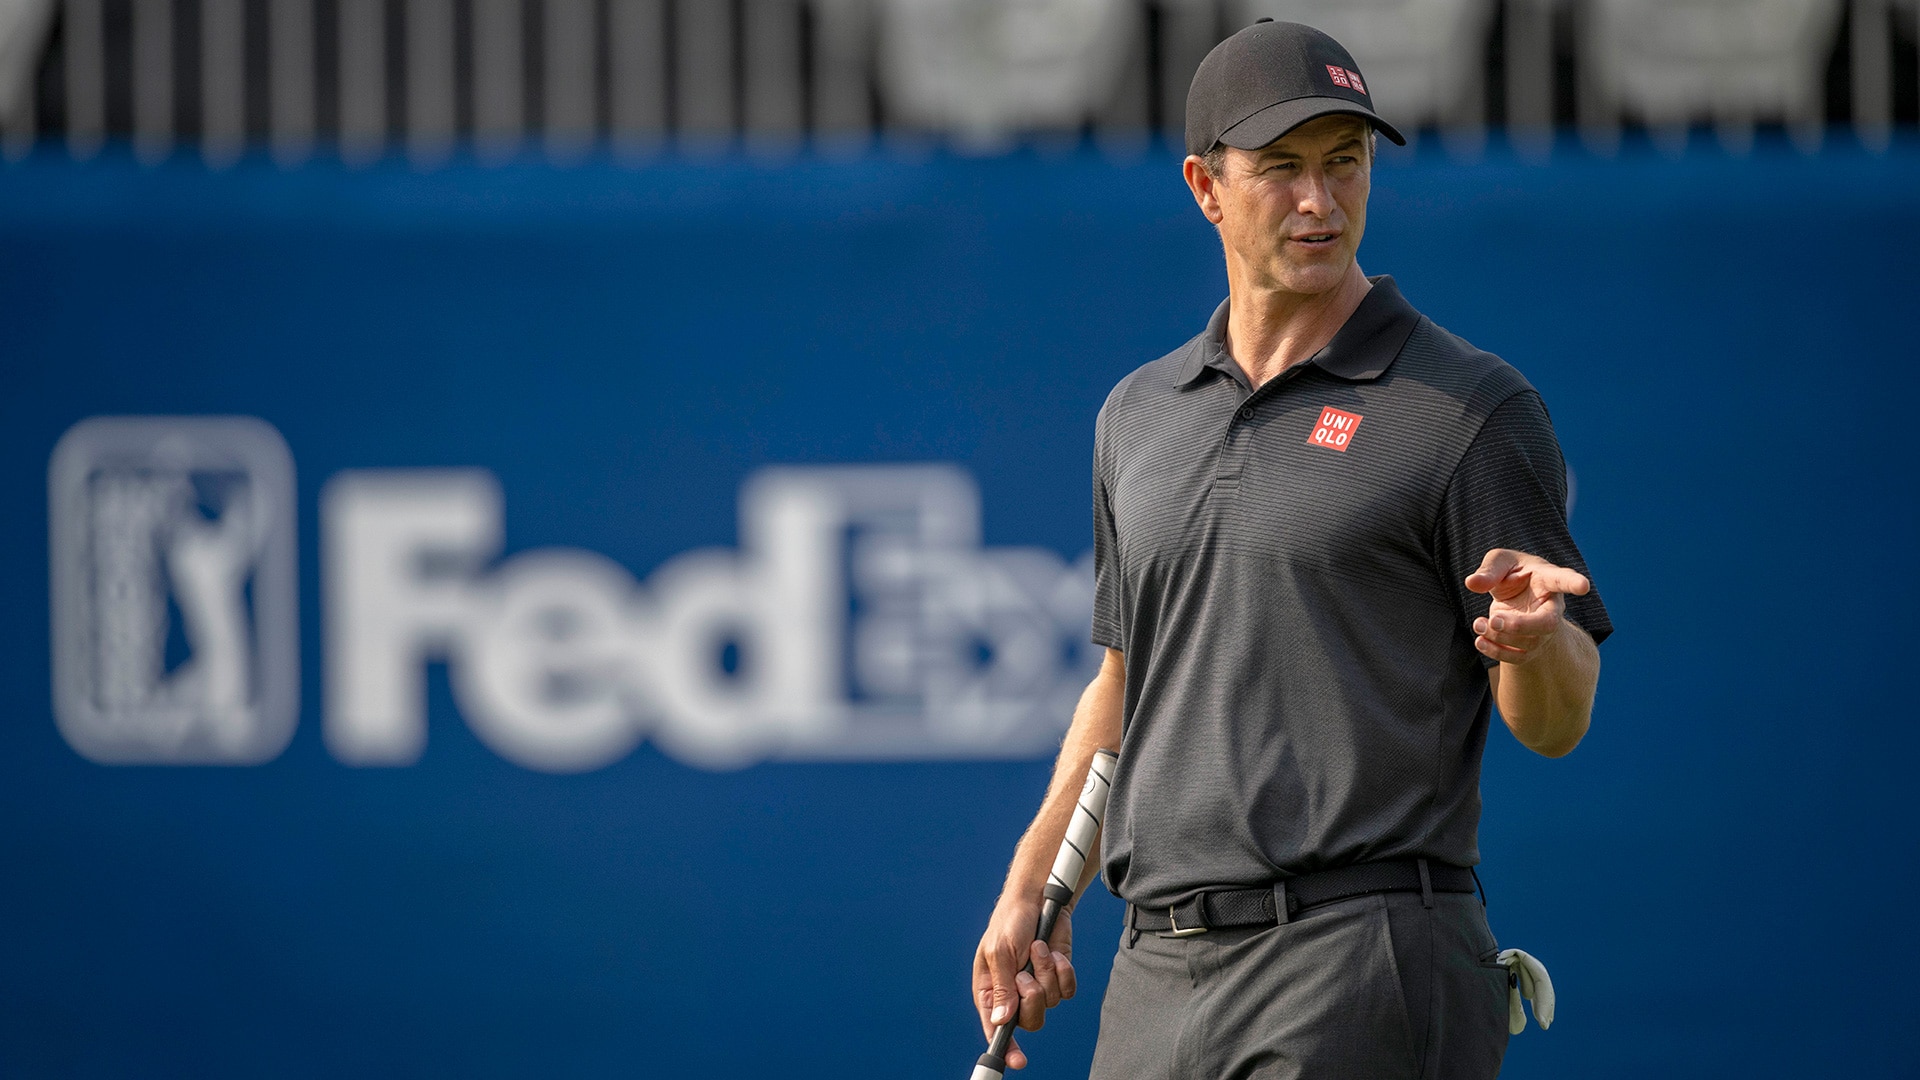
(175, 622)
(1735, 62)
(985, 69)
(1425, 60)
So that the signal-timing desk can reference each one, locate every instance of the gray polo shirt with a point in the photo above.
(1283, 569)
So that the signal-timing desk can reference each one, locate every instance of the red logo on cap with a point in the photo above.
(1335, 429)
(1339, 75)
(1354, 78)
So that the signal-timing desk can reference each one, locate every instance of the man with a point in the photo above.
(1329, 538)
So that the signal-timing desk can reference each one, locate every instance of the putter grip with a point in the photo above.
(1082, 831)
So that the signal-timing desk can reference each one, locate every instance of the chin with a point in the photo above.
(1309, 280)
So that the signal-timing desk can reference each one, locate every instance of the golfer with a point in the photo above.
(1329, 538)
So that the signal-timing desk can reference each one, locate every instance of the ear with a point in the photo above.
(1204, 187)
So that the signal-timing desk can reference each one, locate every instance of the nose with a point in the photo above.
(1314, 197)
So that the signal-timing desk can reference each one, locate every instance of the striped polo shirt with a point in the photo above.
(1283, 569)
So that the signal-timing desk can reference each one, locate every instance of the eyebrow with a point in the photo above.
(1270, 154)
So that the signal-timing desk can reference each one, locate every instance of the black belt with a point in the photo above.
(1271, 905)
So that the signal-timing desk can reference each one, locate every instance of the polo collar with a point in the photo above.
(1361, 351)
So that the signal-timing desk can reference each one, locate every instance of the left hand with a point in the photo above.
(1527, 604)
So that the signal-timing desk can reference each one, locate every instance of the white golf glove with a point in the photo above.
(1532, 982)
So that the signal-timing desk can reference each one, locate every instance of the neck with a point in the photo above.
(1270, 330)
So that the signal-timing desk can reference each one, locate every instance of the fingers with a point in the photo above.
(983, 995)
(1051, 982)
(1494, 568)
(1503, 653)
(1519, 627)
(1016, 979)
(1517, 631)
(1002, 994)
(1506, 573)
(1548, 578)
(1033, 1003)
(1511, 636)
(983, 999)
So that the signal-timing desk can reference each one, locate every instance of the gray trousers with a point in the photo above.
(1375, 987)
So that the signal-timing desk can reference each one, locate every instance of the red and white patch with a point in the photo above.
(1354, 78)
(1335, 429)
(1339, 76)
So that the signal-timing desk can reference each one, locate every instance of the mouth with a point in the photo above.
(1322, 239)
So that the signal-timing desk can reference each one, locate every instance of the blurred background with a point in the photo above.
(361, 78)
(550, 537)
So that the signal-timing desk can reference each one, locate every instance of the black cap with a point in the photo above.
(1267, 80)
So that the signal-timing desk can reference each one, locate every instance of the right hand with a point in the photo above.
(1001, 989)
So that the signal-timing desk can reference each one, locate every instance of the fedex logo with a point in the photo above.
(859, 618)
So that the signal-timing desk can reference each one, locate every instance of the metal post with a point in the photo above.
(430, 104)
(774, 95)
(1873, 74)
(1596, 108)
(85, 44)
(363, 79)
(1189, 29)
(1463, 120)
(1120, 125)
(24, 30)
(290, 104)
(842, 73)
(499, 77)
(637, 55)
(1529, 70)
(223, 106)
(152, 80)
(703, 70)
(570, 78)
(18, 133)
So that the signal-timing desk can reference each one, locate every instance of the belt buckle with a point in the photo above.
(1177, 931)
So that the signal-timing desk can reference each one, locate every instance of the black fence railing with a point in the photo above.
(424, 77)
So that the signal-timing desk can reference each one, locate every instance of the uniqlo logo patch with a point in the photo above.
(1346, 77)
(1335, 429)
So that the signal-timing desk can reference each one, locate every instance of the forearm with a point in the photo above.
(1096, 725)
(1547, 701)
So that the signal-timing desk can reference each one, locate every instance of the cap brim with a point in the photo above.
(1281, 117)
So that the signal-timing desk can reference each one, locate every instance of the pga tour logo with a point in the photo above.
(859, 618)
(175, 620)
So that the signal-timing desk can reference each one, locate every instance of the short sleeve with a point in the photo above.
(1510, 491)
(1109, 621)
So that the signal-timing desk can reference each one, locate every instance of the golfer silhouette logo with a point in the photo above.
(173, 571)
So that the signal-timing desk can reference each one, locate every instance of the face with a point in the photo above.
(1291, 213)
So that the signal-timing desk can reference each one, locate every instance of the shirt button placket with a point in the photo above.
(1233, 452)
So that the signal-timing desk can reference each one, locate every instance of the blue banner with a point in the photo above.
(599, 621)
